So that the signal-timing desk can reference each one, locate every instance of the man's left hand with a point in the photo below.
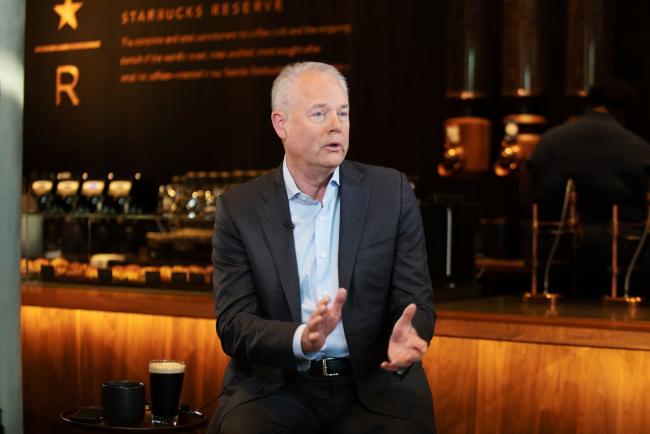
(405, 347)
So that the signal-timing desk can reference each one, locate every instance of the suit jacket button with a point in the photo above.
(261, 390)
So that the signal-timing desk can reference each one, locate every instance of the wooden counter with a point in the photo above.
(500, 366)
(119, 299)
(74, 338)
(495, 366)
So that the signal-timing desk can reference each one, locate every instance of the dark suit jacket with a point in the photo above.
(382, 264)
(606, 162)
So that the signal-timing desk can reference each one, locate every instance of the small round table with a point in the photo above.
(186, 423)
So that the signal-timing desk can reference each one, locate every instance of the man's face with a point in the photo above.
(315, 131)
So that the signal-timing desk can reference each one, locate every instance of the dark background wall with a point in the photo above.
(394, 58)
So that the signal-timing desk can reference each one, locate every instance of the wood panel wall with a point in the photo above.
(490, 387)
(69, 353)
(479, 385)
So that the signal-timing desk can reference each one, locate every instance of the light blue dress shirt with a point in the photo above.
(316, 238)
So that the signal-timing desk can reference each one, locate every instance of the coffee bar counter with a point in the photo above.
(498, 365)
(495, 365)
(196, 304)
(75, 337)
(567, 322)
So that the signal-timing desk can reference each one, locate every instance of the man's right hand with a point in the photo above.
(322, 322)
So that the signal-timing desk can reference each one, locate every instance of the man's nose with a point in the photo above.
(335, 125)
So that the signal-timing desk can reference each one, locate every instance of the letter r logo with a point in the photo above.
(69, 86)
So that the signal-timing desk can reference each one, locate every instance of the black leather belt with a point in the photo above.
(329, 367)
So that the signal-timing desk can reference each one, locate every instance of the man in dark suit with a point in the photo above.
(321, 284)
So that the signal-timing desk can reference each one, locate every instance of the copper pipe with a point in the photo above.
(637, 253)
(534, 259)
(570, 187)
(615, 229)
(573, 211)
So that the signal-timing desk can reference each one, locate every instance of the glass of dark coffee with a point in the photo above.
(165, 384)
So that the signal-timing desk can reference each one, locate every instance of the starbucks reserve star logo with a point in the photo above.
(67, 12)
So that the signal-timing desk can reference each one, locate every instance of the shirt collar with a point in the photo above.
(290, 184)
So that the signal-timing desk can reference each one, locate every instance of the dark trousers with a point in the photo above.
(313, 406)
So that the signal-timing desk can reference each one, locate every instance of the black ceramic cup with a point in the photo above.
(123, 402)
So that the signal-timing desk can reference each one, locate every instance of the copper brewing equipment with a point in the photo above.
(589, 39)
(523, 49)
(614, 298)
(568, 224)
(467, 51)
(467, 146)
(521, 134)
(637, 252)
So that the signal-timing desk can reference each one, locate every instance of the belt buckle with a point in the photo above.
(324, 366)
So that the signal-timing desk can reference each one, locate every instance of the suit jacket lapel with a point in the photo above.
(275, 217)
(354, 205)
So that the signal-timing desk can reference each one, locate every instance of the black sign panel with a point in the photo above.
(164, 86)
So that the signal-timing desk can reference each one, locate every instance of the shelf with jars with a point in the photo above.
(122, 230)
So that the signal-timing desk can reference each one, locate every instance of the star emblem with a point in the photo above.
(68, 13)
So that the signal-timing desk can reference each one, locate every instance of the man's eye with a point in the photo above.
(318, 115)
(344, 115)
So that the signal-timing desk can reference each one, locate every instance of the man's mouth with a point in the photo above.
(333, 146)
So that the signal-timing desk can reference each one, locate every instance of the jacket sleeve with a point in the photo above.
(245, 334)
(410, 281)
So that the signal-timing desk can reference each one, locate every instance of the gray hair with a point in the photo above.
(289, 75)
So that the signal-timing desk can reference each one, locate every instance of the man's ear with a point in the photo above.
(279, 119)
